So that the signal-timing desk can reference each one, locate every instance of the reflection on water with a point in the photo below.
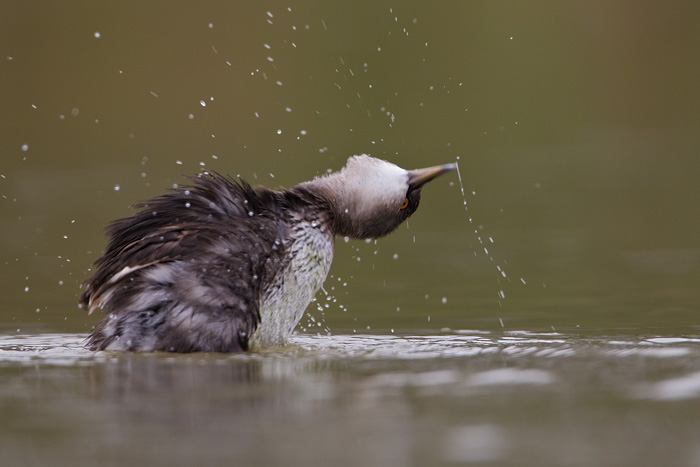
(376, 399)
(513, 398)
(318, 353)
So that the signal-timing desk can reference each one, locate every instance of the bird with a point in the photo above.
(220, 266)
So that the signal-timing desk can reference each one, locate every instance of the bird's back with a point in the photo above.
(191, 269)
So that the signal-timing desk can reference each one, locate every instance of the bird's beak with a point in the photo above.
(419, 177)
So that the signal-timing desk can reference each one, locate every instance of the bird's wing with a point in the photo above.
(186, 272)
(193, 289)
(171, 226)
(118, 266)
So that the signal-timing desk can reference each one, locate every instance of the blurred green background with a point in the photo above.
(575, 125)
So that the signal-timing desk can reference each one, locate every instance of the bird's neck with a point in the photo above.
(333, 194)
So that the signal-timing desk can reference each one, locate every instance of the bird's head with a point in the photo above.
(371, 197)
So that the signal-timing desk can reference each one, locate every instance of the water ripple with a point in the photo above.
(67, 349)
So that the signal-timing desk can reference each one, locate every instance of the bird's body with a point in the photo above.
(220, 266)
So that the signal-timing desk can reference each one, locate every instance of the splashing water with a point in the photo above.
(501, 274)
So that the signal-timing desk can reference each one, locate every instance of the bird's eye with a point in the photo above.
(405, 204)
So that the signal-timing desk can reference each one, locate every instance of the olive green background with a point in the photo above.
(575, 125)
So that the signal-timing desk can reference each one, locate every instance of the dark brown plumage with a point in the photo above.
(202, 267)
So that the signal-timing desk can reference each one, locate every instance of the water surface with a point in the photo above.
(511, 398)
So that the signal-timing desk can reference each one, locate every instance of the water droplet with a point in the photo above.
(117, 188)
(97, 35)
(444, 300)
(25, 147)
